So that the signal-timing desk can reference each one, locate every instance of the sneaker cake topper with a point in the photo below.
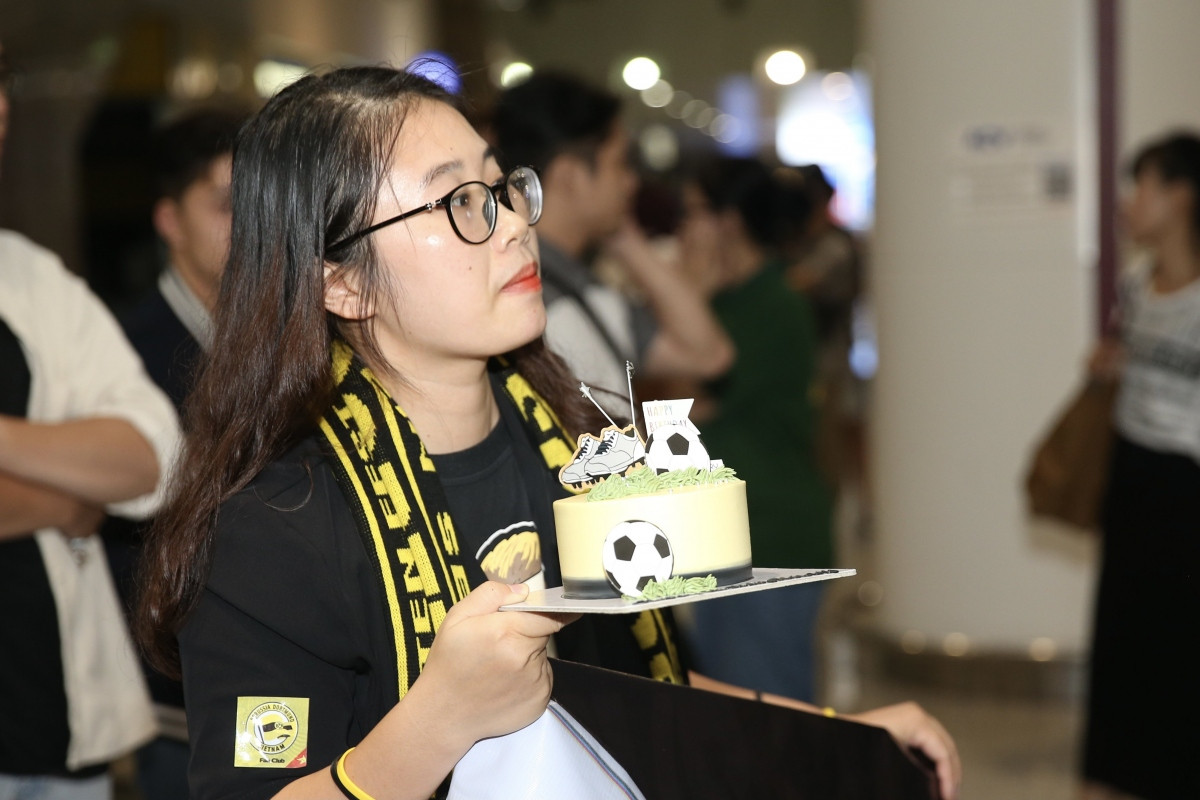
(616, 451)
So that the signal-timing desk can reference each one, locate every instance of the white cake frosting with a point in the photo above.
(706, 525)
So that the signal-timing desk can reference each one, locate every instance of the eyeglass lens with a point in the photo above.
(474, 209)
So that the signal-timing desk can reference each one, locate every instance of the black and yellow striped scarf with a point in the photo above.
(402, 513)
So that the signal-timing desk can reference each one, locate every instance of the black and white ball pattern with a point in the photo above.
(674, 447)
(636, 552)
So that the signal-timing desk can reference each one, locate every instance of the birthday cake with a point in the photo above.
(655, 513)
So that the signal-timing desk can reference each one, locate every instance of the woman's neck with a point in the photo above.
(450, 404)
(1177, 262)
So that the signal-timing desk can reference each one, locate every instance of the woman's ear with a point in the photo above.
(165, 217)
(1183, 198)
(342, 295)
(564, 175)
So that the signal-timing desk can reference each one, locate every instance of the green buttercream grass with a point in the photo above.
(675, 587)
(647, 481)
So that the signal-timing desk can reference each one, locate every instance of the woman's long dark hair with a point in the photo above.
(307, 170)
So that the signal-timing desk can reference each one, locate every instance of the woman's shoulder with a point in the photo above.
(289, 479)
(291, 515)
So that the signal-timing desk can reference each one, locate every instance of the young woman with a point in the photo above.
(371, 460)
(1138, 735)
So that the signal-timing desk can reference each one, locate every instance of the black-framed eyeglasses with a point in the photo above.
(472, 207)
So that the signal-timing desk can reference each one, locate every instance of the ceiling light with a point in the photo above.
(641, 73)
(785, 67)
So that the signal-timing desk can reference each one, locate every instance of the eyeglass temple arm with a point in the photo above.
(354, 237)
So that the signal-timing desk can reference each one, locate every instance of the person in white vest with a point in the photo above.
(82, 430)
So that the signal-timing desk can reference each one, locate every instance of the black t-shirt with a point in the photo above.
(292, 612)
(500, 495)
(14, 377)
(293, 608)
(34, 731)
(491, 510)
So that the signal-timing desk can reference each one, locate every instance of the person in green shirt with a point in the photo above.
(762, 422)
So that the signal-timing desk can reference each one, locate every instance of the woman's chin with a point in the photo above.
(512, 340)
(530, 328)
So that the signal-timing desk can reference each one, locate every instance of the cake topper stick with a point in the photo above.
(586, 391)
(629, 383)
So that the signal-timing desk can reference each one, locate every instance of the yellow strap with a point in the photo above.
(343, 782)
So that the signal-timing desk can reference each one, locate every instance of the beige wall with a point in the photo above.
(986, 311)
(981, 284)
(1159, 61)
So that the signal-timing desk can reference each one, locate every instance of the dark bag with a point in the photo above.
(1066, 480)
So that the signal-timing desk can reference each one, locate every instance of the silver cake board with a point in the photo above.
(764, 578)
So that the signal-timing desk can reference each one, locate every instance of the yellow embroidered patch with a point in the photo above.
(271, 732)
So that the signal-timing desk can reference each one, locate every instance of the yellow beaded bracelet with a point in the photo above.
(828, 711)
(342, 781)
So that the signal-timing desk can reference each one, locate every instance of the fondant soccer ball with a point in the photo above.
(635, 552)
(675, 447)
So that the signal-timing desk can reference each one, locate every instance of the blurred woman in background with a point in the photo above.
(1140, 734)
(763, 424)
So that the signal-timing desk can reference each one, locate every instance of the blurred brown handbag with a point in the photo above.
(1066, 480)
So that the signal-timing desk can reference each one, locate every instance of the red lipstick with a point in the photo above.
(527, 280)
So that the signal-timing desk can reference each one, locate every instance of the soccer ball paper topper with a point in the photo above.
(673, 447)
(674, 441)
(636, 552)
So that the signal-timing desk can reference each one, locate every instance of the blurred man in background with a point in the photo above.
(170, 328)
(572, 134)
(193, 164)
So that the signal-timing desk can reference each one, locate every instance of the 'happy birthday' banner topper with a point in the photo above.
(657, 413)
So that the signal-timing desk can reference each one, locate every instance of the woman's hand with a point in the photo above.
(908, 723)
(486, 675)
(631, 247)
(489, 667)
(699, 252)
(912, 726)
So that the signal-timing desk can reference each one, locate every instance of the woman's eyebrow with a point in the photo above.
(452, 166)
(438, 171)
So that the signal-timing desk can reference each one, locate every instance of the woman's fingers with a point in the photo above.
(488, 598)
(933, 740)
(534, 624)
(492, 662)
(912, 726)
